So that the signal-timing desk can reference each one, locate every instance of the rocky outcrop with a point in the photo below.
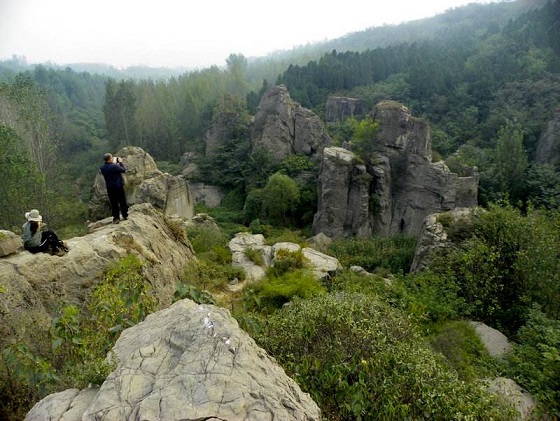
(187, 362)
(210, 196)
(10, 243)
(395, 189)
(36, 284)
(433, 235)
(144, 184)
(515, 395)
(494, 341)
(322, 265)
(339, 108)
(548, 148)
(283, 127)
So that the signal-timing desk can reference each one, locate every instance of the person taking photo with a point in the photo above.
(112, 170)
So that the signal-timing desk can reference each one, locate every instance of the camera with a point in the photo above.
(116, 159)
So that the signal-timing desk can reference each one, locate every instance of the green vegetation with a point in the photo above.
(81, 339)
(388, 345)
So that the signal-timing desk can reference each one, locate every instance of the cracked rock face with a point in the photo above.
(187, 362)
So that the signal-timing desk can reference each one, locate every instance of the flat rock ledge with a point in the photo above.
(187, 362)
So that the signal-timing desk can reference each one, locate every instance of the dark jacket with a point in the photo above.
(113, 174)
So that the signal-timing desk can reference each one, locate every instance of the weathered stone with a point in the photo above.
(433, 235)
(10, 243)
(190, 362)
(211, 196)
(512, 393)
(321, 264)
(282, 127)
(36, 284)
(339, 108)
(144, 184)
(495, 342)
(319, 242)
(396, 191)
(246, 241)
(548, 148)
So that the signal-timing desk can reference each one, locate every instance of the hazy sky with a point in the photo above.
(189, 33)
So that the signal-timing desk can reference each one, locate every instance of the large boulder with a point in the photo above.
(187, 362)
(339, 108)
(283, 127)
(10, 243)
(548, 148)
(322, 265)
(36, 284)
(434, 236)
(144, 183)
(396, 189)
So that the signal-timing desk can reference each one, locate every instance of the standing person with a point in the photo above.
(36, 240)
(112, 171)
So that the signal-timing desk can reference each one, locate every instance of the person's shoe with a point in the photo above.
(58, 252)
(116, 221)
(125, 218)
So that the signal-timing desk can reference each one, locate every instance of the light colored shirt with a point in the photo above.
(28, 239)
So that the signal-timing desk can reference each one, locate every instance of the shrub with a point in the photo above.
(535, 360)
(459, 343)
(394, 253)
(273, 292)
(285, 261)
(204, 239)
(210, 276)
(360, 359)
(255, 256)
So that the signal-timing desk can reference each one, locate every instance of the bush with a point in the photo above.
(535, 360)
(463, 350)
(273, 292)
(360, 359)
(394, 253)
(285, 261)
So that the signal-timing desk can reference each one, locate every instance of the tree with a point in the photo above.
(280, 196)
(510, 160)
(21, 180)
(120, 113)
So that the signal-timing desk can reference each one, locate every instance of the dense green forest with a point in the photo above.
(486, 78)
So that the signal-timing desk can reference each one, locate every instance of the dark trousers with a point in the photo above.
(49, 240)
(118, 202)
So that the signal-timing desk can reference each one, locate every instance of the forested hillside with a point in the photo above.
(487, 80)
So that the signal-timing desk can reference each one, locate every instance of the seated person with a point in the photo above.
(36, 240)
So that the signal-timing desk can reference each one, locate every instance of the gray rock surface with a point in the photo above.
(35, 284)
(396, 190)
(209, 195)
(339, 108)
(187, 362)
(512, 393)
(495, 342)
(283, 127)
(321, 264)
(10, 243)
(433, 236)
(144, 184)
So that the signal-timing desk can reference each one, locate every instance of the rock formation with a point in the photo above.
(144, 184)
(339, 108)
(283, 127)
(322, 265)
(35, 284)
(396, 189)
(433, 235)
(187, 362)
(10, 243)
(548, 148)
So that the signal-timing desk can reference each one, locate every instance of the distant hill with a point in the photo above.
(453, 21)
